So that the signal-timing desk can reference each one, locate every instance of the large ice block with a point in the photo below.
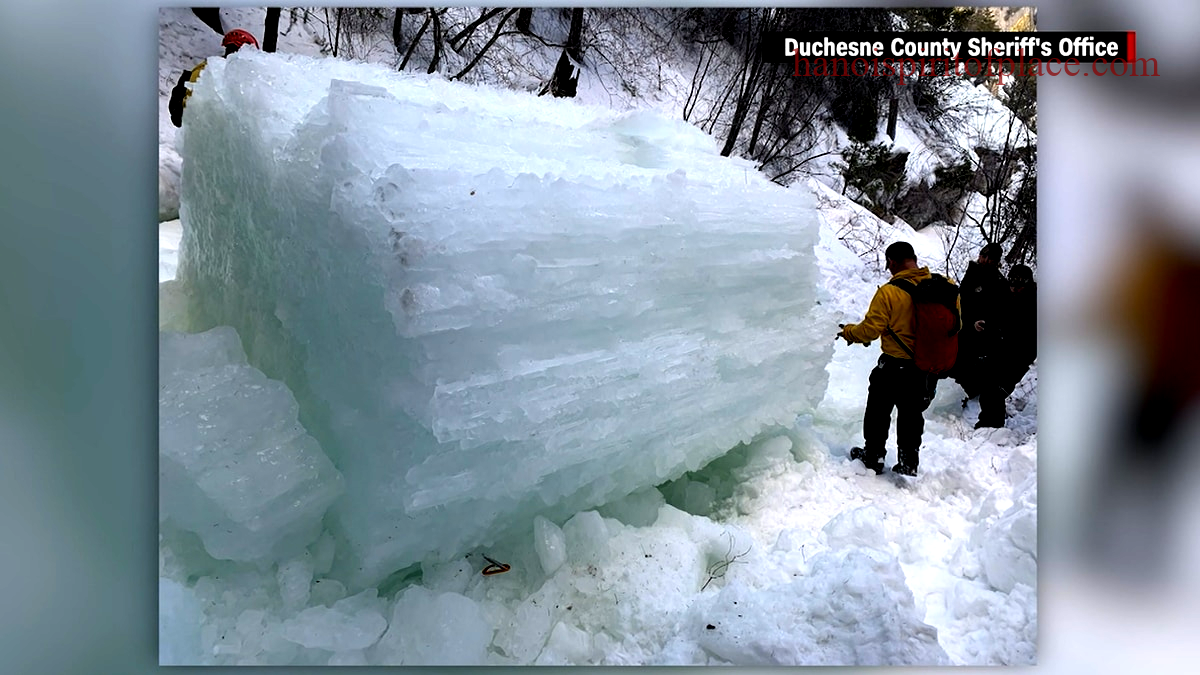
(235, 466)
(491, 305)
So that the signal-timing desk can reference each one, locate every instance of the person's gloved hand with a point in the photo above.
(845, 336)
(842, 334)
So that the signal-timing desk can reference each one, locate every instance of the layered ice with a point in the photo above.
(235, 467)
(491, 311)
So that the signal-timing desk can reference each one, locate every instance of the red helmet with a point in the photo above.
(237, 38)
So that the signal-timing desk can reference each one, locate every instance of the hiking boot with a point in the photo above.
(908, 461)
(871, 460)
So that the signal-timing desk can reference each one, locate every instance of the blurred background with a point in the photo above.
(1119, 371)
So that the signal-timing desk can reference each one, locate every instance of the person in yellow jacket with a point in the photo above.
(233, 41)
(895, 382)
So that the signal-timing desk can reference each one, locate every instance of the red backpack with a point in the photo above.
(935, 322)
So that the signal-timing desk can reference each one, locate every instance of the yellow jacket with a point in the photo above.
(891, 307)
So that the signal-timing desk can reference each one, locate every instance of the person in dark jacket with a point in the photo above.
(1020, 326)
(233, 41)
(983, 290)
(1016, 349)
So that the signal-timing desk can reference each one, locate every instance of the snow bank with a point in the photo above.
(853, 608)
(490, 305)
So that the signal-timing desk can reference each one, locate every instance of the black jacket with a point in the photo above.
(1019, 326)
(983, 294)
(181, 92)
(983, 291)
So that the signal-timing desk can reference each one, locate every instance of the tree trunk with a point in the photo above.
(437, 41)
(565, 81)
(764, 104)
(271, 31)
(575, 38)
(416, 40)
(742, 108)
(211, 16)
(694, 89)
(397, 33)
(524, 19)
(337, 33)
(749, 82)
(893, 112)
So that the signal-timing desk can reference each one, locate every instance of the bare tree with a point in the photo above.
(271, 29)
(778, 111)
(575, 36)
(459, 38)
(696, 86)
(751, 70)
(416, 40)
(436, 16)
(333, 30)
(398, 30)
(565, 80)
(486, 46)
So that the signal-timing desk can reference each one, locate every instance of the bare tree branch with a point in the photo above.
(486, 46)
(466, 33)
(416, 40)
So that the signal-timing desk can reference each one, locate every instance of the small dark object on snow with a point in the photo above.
(711, 627)
(495, 567)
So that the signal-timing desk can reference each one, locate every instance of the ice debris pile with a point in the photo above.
(490, 306)
(235, 466)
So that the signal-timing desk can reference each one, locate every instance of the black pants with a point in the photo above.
(897, 383)
(998, 381)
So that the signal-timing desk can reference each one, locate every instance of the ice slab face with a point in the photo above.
(550, 544)
(235, 467)
(491, 305)
(351, 624)
(179, 617)
(436, 629)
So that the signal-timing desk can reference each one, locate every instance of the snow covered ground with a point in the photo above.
(797, 543)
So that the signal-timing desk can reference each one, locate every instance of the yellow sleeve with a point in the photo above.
(875, 323)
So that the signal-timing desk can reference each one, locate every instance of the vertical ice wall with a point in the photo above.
(490, 305)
